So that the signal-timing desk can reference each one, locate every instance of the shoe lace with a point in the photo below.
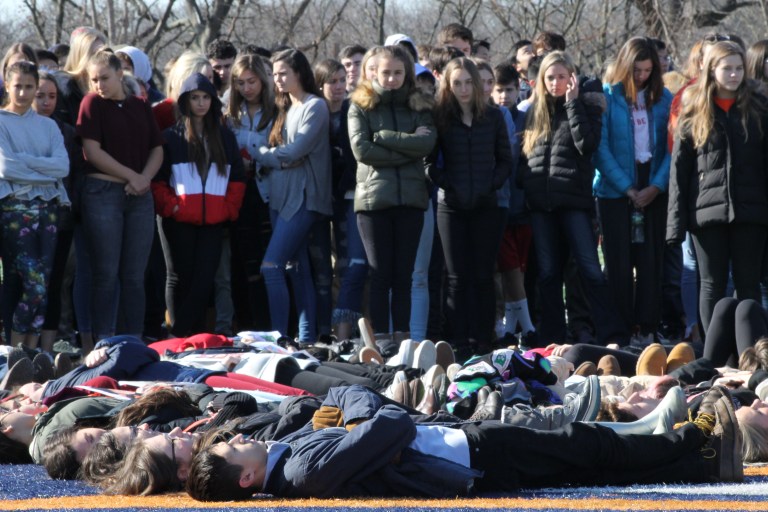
(703, 421)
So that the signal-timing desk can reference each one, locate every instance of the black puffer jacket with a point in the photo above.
(559, 173)
(725, 181)
(476, 160)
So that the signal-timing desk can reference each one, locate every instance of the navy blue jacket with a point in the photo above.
(336, 462)
(129, 359)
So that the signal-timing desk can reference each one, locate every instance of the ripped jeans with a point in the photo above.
(287, 250)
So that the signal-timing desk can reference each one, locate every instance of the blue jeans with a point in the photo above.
(118, 229)
(322, 271)
(349, 303)
(555, 234)
(689, 283)
(288, 245)
(420, 279)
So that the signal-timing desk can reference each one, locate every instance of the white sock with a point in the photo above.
(520, 308)
(510, 317)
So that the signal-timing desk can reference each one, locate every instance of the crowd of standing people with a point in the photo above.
(398, 194)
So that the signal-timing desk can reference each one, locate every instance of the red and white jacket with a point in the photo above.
(178, 183)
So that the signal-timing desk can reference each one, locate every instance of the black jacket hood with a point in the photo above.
(198, 82)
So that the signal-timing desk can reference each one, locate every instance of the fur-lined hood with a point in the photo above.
(368, 94)
(594, 99)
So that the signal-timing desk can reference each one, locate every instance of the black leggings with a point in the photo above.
(582, 352)
(735, 326)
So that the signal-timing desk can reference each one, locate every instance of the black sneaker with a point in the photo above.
(490, 409)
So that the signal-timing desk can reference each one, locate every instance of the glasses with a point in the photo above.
(714, 38)
(173, 451)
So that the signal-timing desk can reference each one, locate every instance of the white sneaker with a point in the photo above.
(404, 356)
(425, 355)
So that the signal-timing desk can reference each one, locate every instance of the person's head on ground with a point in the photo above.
(154, 465)
(753, 422)
(66, 449)
(105, 456)
(229, 470)
(15, 436)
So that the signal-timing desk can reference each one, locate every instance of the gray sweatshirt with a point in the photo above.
(33, 158)
(306, 136)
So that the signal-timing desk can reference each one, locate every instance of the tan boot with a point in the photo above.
(608, 365)
(681, 354)
(652, 360)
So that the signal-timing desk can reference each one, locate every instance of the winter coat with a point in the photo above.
(334, 462)
(722, 182)
(212, 200)
(615, 157)
(390, 165)
(128, 358)
(477, 160)
(343, 161)
(559, 172)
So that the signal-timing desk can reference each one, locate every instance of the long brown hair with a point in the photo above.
(211, 137)
(447, 106)
(636, 50)
(254, 64)
(298, 62)
(698, 116)
(756, 57)
(152, 403)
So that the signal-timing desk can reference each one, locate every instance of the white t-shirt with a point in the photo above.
(642, 129)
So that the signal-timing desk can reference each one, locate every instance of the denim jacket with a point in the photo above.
(615, 157)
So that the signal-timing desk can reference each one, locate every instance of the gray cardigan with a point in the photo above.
(306, 136)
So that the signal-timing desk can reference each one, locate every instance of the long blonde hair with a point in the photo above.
(698, 116)
(538, 123)
(82, 48)
(255, 65)
(185, 66)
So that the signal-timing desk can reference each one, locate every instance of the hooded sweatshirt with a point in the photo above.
(178, 184)
(33, 158)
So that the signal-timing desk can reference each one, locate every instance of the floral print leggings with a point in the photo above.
(29, 230)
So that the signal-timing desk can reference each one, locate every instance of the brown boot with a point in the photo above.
(652, 360)
(681, 354)
(608, 365)
(586, 369)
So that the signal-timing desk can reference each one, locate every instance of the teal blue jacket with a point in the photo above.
(615, 157)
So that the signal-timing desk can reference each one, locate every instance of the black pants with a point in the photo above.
(53, 310)
(582, 352)
(391, 240)
(723, 247)
(250, 237)
(192, 256)
(581, 453)
(635, 271)
(470, 241)
(735, 326)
